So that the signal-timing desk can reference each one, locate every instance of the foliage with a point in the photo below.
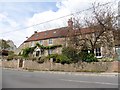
(29, 50)
(10, 53)
(48, 47)
(63, 59)
(33, 58)
(59, 58)
(3, 44)
(41, 46)
(10, 57)
(71, 53)
(74, 56)
(26, 51)
(87, 57)
(41, 59)
(106, 59)
(53, 47)
(52, 56)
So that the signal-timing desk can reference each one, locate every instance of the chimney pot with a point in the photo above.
(35, 31)
(70, 23)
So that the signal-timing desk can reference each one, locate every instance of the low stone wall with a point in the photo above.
(0, 64)
(79, 67)
(10, 64)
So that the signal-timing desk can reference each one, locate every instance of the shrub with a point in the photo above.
(52, 56)
(71, 53)
(91, 58)
(41, 59)
(87, 57)
(106, 59)
(10, 57)
(32, 58)
(10, 53)
(63, 59)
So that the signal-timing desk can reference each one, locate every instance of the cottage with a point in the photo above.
(58, 38)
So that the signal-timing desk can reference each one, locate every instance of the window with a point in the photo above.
(50, 41)
(32, 44)
(41, 42)
(37, 53)
(96, 34)
(49, 51)
(98, 52)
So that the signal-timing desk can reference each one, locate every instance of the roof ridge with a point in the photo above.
(52, 29)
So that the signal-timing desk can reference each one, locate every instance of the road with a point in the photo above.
(24, 79)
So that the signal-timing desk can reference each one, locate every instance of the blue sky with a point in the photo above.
(17, 15)
(19, 11)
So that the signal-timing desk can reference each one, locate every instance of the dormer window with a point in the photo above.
(54, 32)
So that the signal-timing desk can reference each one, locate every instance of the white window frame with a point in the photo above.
(99, 52)
(32, 44)
(41, 42)
(50, 41)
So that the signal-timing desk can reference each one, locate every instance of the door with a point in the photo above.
(20, 63)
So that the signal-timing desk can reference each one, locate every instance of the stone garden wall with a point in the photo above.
(50, 66)
(79, 67)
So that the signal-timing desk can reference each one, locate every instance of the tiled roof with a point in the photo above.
(55, 33)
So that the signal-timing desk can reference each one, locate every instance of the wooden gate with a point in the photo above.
(20, 63)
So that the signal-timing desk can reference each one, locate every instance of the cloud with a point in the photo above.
(30, 15)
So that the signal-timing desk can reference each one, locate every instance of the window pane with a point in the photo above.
(98, 51)
(50, 41)
(41, 42)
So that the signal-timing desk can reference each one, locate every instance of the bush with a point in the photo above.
(41, 59)
(106, 59)
(71, 53)
(87, 57)
(52, 56)
(10, 57)
(32, 58)
(63, 59)
(10, 53)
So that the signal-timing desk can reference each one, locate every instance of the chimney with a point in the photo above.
(70, 23)
(35, 32)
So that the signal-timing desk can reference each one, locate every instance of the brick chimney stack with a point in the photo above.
(70, 23)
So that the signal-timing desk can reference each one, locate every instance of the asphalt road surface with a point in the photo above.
(24, 79)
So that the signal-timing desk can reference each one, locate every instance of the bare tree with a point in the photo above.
(101, 25)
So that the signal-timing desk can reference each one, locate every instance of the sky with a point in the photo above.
(20, 18)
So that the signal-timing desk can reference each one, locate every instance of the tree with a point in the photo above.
(103, 23)
(3, 44)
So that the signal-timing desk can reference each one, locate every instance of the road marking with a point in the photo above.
(89, 82)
